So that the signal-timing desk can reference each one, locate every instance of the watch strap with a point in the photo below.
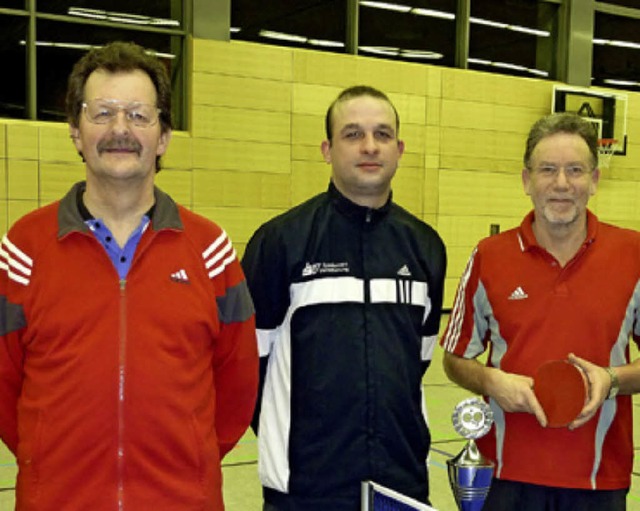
(615, 383)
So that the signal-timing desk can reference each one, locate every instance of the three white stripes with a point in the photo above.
(11, 261)
(219, 255)
(18, 265)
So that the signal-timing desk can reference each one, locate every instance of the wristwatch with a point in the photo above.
(615, 384)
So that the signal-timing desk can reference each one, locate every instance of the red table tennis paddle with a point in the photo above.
(561, 389)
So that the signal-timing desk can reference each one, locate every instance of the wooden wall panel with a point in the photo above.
(22, 179)
(257, 120)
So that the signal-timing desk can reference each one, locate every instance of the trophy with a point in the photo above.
(469, 472)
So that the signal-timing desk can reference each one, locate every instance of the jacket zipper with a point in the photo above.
(122, 374)
(122, 360)
(121, 391)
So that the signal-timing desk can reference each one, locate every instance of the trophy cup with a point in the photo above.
(469, 472)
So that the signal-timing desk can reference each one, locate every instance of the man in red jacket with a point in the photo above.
(128, 359)
(561, 286)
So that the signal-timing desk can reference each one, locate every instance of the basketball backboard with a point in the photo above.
(607, 111)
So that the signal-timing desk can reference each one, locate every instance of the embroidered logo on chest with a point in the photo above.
(180, 277)
(518, 294)
(324, 268)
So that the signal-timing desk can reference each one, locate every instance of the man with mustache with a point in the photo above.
(128, 362)
(561, 286)
(348, 294)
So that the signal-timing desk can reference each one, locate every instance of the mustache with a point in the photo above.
(119, 144)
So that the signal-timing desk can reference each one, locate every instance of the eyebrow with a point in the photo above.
(572, 162)
(355, 125)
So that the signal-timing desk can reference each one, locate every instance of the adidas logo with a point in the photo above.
(180, 277)
(518, 294)
(404, 271)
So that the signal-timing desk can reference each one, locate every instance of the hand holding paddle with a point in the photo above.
(561, 389)
(513, 393)
(598, 383)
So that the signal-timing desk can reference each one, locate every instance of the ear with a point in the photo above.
(325, 147)
(526, 180)
(163, 143)
(74, 133)
(595, 179)
(400, 148)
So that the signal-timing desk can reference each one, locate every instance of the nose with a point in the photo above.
(120, 123)
(369, 143)
(561, 178)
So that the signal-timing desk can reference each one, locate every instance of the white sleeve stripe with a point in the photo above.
(13, 276)
(15, 264)
(11, 261)
(266, 339)
(221, 267)
(16, 251)
(212, 248)
(428, 345)
(457, 315)
(17, 278)
(218, 256)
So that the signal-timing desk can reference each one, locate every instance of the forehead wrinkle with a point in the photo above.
(560, 162)
(112, 101)
(127, 83)
(556, 162)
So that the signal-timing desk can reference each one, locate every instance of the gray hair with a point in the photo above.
(562, 123)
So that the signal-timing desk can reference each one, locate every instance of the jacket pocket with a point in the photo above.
(28, 459)
(199, 446)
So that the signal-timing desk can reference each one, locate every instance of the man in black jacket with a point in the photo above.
(348, 293)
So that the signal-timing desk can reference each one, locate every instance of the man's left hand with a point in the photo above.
(598, 382)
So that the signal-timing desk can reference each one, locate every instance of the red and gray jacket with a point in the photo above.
(123, 394)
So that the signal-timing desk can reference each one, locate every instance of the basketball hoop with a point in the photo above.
(606, 149)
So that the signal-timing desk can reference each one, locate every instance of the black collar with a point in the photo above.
(356, 212)
(86, 214)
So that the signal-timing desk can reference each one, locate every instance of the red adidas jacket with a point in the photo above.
(123, 395)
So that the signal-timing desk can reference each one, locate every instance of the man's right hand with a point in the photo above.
(513, 393)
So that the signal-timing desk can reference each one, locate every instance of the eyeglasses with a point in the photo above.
(570, 171)
(104, 111)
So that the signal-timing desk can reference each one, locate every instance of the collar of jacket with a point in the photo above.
(528, 238)
(165, 212)
(353, 211)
